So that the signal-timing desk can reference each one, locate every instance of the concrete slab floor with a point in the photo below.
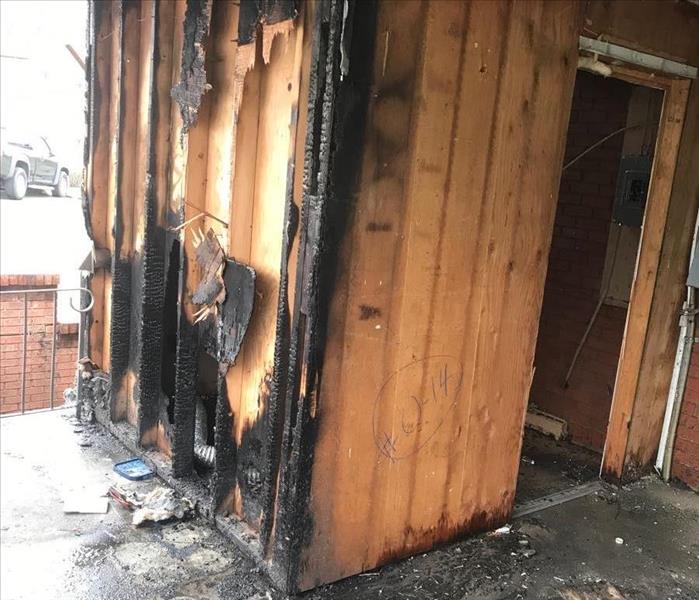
(548, 466)
(568, 551)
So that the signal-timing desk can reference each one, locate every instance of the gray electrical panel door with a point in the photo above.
(632, 189)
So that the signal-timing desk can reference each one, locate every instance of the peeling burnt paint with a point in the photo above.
(192, 85)
(262, 12)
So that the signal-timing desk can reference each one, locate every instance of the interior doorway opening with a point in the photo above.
(610, 147)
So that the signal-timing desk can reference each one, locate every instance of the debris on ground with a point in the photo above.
(134, 469)
(504, 530)
(70, 396)
(127, 499)
(160, 504)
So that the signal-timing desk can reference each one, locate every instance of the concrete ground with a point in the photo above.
(549, 466)
(568, 551)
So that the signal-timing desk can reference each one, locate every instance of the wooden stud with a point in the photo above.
(628, 372)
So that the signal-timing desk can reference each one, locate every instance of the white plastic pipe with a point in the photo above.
(678, 382)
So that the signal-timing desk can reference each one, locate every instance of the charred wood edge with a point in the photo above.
(262, 12)
(252, 464)
(153, 273)
(241, 463)
(278, 547)
(192, 85)
(275, 414)
(226, 453)
(120, 327)
(339, 107)
(317, 258)
(196, 29)
(186, 361)
(225, 332)
(137, 262)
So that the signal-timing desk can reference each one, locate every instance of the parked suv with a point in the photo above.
(28, 161)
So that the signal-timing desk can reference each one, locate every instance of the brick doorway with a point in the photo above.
(592, 258)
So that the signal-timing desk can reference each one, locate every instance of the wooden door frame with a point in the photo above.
(647, 262)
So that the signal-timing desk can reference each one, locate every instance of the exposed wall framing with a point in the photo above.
(328, 226)
(647, 264)
(659, 357)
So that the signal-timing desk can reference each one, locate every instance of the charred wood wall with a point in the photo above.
(415, 374)
(328, 228)
(197, 120)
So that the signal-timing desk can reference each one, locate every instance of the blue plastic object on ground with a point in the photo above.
(134, 469)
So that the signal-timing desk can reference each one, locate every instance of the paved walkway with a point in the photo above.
(568, 551)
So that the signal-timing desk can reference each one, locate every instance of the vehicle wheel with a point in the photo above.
(17, 184)
(61, 189)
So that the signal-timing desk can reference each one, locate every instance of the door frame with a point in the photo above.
(647, 262)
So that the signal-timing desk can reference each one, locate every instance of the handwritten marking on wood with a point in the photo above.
(419, 412)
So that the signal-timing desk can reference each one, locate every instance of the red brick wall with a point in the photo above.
(37, 384)
(685, 457)
(576, 264)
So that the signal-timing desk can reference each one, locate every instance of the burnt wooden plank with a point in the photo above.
(663, 328)
(447, 321)
(645, 277)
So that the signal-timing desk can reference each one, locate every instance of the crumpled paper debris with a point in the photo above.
(160, 504)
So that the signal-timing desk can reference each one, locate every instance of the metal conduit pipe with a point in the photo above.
(678, 382)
